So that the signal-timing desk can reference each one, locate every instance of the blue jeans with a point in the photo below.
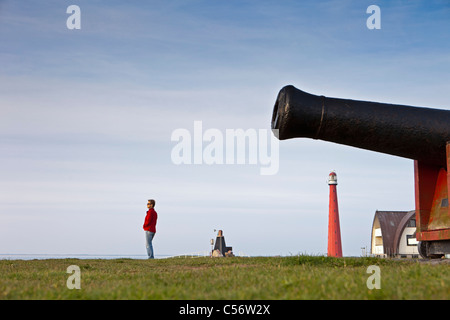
(148, 243)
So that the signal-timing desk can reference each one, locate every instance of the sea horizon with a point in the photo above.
(44, 256)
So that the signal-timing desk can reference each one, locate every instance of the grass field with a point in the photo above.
(262, 278)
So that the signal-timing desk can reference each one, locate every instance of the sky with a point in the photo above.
(87, 117)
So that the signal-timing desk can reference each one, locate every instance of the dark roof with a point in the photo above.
(392, 224)
(402, 225)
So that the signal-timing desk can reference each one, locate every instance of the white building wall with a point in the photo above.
(403, 247)
(378, 250)
(377, 240)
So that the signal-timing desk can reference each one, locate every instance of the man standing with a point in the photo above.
(150, 227)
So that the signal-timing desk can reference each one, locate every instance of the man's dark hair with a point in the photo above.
(151, 201)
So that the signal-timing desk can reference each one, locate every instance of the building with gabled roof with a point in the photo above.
(394, 234)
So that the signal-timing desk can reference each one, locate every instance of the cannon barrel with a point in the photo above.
(411, 132)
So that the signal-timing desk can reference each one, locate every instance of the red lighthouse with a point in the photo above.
(334, 229)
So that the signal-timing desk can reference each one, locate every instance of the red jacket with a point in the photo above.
(150, 220)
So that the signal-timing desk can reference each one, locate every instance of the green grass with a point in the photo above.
(295, 277)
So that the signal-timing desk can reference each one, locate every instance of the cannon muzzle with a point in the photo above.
(411, 132)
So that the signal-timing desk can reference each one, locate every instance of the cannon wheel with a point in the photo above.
(422, 247)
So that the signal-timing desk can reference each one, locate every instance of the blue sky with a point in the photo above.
(87, 116)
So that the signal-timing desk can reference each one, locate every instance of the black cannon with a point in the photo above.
(421, 134)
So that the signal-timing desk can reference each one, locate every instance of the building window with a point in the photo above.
(411, 223)
(378, 241)
(411, 240)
